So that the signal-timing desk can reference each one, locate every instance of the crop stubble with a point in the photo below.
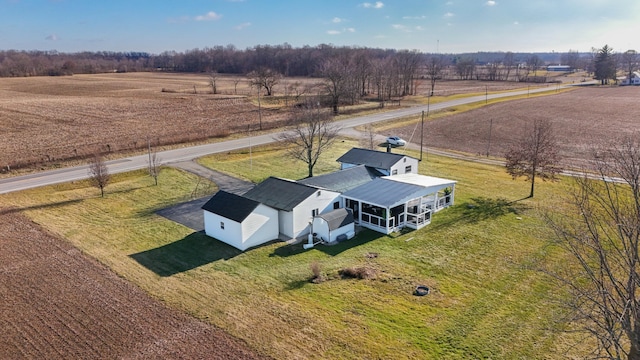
(58, 303)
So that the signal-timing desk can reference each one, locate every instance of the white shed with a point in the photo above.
(331, 225)
(238, 221)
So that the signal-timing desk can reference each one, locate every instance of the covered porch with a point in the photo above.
(387, 205)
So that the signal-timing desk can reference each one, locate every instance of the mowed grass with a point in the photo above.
(485, 300)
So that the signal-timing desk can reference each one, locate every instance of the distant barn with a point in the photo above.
(562, 68)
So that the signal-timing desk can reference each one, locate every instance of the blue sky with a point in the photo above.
(446, 26)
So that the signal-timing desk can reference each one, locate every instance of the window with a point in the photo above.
(336, 205)
(221, 225)
(407, 169)
(394, 172)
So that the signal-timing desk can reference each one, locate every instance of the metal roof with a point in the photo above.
(432, 183)
(343, 180)
(230, 206)
(372, 158)
(337, 218)
(279, 193)
(386, 193)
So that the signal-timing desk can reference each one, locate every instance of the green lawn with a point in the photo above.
(485, 302)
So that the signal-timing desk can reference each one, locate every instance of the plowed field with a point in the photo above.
(582, 119)
(47, 119)
(57, 303)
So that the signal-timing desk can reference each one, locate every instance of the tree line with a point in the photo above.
(300, 61)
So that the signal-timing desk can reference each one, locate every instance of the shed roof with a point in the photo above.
(371, 158)
(343, 180)
(386, 193)
(230, 206)
(280, 193)
(337, 218)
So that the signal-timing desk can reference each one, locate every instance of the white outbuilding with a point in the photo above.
(334, 226)
(238, 221)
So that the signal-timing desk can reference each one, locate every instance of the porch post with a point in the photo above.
(453, 191)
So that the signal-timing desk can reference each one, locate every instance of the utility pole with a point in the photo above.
(149, 147)
(259, 108)
(489, 145)
(486, 94)
(421, 135)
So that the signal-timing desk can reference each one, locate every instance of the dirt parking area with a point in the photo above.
(58, 303)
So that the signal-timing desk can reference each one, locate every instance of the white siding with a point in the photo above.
(321, 228)
(302, 214)
(231, 234)
(401, 166)
(260, 226)
(285, 221)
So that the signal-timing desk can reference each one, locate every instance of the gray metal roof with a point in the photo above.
(337, 218)
(343, 180)
(279, 193)
(230, 206)
(386, 193)
(371, 158)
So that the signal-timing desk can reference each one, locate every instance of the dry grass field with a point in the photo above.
(47, 119)
(58, 303)
(582, 118)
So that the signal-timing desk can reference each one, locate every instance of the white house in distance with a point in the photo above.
(385, 162)
(633, 80)
(238, 221)
(297, 204)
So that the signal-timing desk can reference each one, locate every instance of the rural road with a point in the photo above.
(43, 178)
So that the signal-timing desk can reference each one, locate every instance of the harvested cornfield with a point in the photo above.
(582, 119)
(48, 119)
(58, 303)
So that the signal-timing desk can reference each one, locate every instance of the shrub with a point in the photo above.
(358, 273)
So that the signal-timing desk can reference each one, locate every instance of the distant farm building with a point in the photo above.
(559, 68)
(633, 80)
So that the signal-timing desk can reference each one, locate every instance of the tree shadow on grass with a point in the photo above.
(12, 209)
(482, 209)
(363, 236)
(193, 251)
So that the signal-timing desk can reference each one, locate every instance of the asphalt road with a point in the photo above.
(43, 178)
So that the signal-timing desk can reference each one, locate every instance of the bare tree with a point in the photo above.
(265, 78)
(534, 63)
(509, 62)
(213, 77)
(336, 73)
(369, 137)
(534, 155)
(313, 133)
(435, 65)
(99, 174)
(154, 166)
(602, 272)
(629, 62)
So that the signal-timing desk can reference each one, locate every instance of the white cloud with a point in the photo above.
(337, 20)
(449, 15)
(243, 25)
(516, 23)
(333, 32)
(421, 17)
(211, 15)
(52, 37)
(491, 3)
(351, 30)
(377, 5)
